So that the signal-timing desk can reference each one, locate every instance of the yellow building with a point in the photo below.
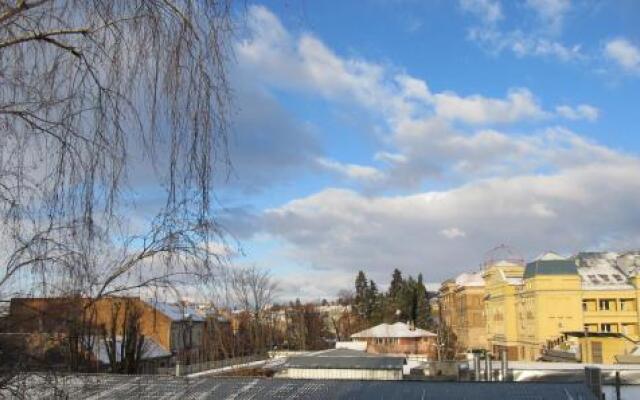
(462, 311)
(503, 280)
(529, 308)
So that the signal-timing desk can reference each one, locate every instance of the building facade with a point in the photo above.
(529, 308)
(398, 338)
(461, 310)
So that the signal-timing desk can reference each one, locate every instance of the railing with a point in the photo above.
(182, 370)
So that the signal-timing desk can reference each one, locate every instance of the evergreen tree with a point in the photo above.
(362, 294)
(396, 283)
(422, 318)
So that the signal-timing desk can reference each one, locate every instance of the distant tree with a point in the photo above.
(422, 312)
(396, 283)
(362, 294)
(345, 297)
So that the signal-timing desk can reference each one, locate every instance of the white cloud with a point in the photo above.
(518, 105)
(352, 171)
(524, 45)
(579, 208)
(551, 12)
(417, 124)
(582, 111)
(452, 233)
(535, 189)
(624, 53)
(489, 11)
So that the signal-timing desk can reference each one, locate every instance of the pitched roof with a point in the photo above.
(176, 312)
(601, 271)
(150, 350)
(397, 330)
(473, 279)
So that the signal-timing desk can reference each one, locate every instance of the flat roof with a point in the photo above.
(119, 387)
(345, 359)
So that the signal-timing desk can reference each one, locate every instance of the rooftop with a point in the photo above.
(600, 271)
(344, 359)
(551, 266)
(396, 330)
(120, 387)
(176, 312)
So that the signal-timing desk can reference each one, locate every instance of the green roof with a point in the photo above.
(550, 267)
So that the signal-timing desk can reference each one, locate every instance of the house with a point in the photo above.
(177, 329)
(398, 338)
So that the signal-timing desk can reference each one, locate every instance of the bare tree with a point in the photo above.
(122, 339)
(254, 290)
(97, 96)
(101, 100)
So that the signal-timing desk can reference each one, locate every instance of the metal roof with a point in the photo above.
(550, 267)
(344, 359)
(107, 387)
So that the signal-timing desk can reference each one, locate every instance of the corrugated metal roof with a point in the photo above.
(397, 330)
(109, 387)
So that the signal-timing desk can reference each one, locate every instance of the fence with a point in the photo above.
(182, 370)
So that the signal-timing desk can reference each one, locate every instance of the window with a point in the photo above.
(604, 277)
(584, 306)
(593, 278)
(605, 304)
(618, 277)
(627, 304)
(606, 327)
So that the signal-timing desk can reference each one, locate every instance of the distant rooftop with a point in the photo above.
(397, 330)
(550, 266)
(176, 312)
(344, 359)
(473, 279)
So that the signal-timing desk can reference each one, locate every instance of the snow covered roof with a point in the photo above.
(600, 271)
(150, 350)
(473, 279)
(176, 312)
(549, 256)
(396, 330)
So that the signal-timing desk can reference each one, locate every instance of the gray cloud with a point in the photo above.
(586, 207)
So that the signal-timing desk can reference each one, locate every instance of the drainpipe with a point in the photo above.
(487, 367)
(476, 366)
(504, 364)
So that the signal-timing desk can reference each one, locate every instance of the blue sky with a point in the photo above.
(381, 134)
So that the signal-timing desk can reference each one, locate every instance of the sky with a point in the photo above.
(419, 135)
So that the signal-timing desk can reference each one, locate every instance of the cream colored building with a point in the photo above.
(461, 309)
(530, 308)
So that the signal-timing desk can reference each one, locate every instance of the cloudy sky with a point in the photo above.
(419, 135)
